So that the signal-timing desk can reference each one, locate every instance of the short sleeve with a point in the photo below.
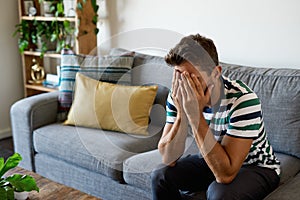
(171, 110)
(245, 117)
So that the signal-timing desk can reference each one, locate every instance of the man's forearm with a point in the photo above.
(213, 152)
(172, 144)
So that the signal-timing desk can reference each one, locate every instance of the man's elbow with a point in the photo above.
(225, 179)
(168, 158)
(168, 162)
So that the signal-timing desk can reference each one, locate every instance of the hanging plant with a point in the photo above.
(23, 29)
(62, 32)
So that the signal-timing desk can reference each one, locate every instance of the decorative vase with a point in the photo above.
(21, 195)
(51, 46)
(69, 8)
(46, 8)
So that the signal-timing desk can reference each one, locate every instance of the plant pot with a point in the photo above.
(51, 46)
(21, 195)
(46, 8)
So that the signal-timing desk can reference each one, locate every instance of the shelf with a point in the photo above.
(41, 18)
(85, 40)
(40, 88)
(47, 54)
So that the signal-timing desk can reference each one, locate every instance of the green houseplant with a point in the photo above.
(39, 35)
(23, 29)
(63, 33)
(43, 34)
(54, 7)
(52, 36)
(15, 182)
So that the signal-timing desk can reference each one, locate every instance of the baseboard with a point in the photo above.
(4, 133)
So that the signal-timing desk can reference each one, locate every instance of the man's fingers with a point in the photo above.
(175, 82)
(186, 88)
(183, 87)
(189, 81)
(174, 78)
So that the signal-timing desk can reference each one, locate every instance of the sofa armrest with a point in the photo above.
(27, 115)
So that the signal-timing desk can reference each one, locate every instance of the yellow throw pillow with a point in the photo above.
(110, 106)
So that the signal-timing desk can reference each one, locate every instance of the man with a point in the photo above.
(225, 117)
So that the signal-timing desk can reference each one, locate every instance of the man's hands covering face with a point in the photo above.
(177, 93)
(190, 95)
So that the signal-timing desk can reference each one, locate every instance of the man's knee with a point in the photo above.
(218, 191)
(156, 174)
(159, 173)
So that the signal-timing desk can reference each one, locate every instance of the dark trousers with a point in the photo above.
(192, 174)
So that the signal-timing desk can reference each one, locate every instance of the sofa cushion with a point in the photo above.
(93, 149)
(113, 69)
(279, 93)
(137, 169)
(148, 69)
(109, 106)
(289, 190)
(290, 166)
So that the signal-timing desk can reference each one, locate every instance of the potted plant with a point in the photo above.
(41, 36)
(50, 8)
(45, 35)
(63, 34)
(16, 182)
(23, 28)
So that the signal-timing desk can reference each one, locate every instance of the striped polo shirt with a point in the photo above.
(239, 115)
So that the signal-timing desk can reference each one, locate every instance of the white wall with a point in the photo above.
(260, 33)
(11, 88)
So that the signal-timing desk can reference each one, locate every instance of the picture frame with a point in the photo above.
(27, 5)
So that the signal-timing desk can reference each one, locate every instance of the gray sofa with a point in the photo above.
(115, 166)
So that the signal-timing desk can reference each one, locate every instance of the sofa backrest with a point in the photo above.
(148, 70)
(279, 93)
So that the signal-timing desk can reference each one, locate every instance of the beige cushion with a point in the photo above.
(110, 106)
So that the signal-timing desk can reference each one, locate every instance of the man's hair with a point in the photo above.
(196, 49)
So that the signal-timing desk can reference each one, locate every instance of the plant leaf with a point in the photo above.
(79, 6)
(3, 194)
(6, 193)
(96, 31)
(22, 183)
(95, 19)
(1, 163)
(94, 4)
(10, 163)
(96, 8)
(60, 8)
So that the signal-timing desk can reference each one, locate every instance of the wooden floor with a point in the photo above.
(6, 147)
